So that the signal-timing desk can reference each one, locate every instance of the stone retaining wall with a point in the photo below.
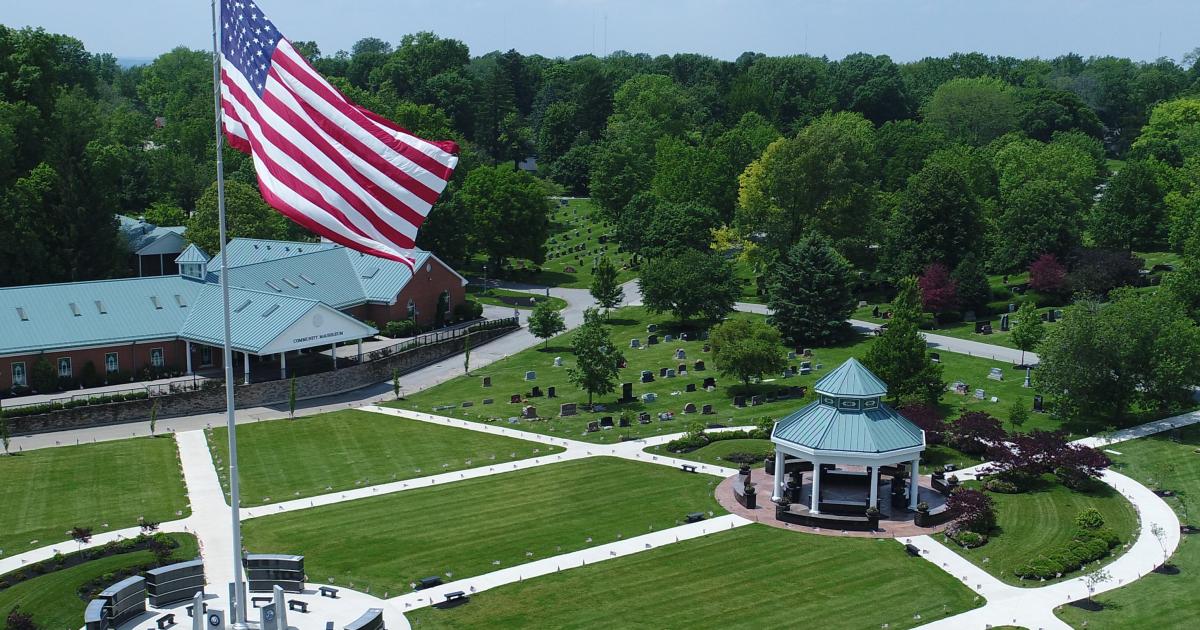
(212, 399)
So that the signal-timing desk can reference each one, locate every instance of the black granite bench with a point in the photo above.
(456, 595)
(166, 621)
(913, 550)
(328, 591)
(428, 582)
(295, 604)
(688, 468)
(695, 517)
(843, 507)
(203, 609)
(258, 601)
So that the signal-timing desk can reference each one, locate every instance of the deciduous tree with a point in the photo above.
(1028, 330)
(690, 284)
(545, 322)
(605, 289)
(597, 359)
(747, 348)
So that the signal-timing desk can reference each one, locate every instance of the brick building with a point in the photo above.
(285, 297)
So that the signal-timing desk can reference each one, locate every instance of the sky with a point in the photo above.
(904, 29)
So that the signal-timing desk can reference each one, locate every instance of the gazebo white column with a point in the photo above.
(778, 492)
(246, 365)
(816, 488)
(187, 353)
(914, 486)
(360, 350)
(283, 365)
(874, 487)
(333, 353)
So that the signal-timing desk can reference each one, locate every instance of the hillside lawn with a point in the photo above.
(46, 492)
(286, 459)
(515, 299)
(1165, 461)
(53, 600)
(752, 577)
(481, 525)
(1039, 521)
(508, 378)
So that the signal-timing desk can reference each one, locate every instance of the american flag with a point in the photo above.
(339, 170)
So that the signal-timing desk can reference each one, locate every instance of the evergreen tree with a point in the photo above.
(605, 290)
(974, 291)
(809, 295)
(898, 356)
(597, 359)
(545, 322)
(1028, 331)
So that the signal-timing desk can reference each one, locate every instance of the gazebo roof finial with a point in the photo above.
(851, 379)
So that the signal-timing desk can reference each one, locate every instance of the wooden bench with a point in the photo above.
(166, 621)
(456, 595)
(328, 591)
(688, 468)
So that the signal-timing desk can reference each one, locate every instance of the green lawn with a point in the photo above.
(53, 599)
(508, 376)
(286, 459)
(717, 453)
(1039, 521)
(480, 525)
(515, 299)
(1157, 601)
(576, 224)
(46, 492)
(752, 577)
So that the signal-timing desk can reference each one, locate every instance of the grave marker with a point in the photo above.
(707, 410)
(689, 408)
(487, 381)
(649, 397)
(550, 392)
(698, 366)
(530, 375)
(647, 376)
(529, 412)
(567, 409)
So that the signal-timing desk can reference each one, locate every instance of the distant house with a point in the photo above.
(285, 297)
(153, 248)
(529, 164)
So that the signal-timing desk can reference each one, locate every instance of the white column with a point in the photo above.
(187, 353)
(874, 487)
(778, 475)
(914, 486)
(333, 353)
(360, 350)
(816, 488)
(246, 364)
(283, 365)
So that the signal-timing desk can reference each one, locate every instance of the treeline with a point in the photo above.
(899, 165)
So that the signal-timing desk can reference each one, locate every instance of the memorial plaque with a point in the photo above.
(530, 375)
(691, 387)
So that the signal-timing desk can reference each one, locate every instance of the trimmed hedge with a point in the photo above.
(693, 441)
(1087, 546)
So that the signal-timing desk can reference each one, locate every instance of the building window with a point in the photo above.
(412, 308)
(871, 403)
(156, 357)
(18, 375)
(110, 363)
(826, 400)
(205, 356)
(64, 367)
(848, 403)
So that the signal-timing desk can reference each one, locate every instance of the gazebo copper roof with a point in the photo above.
(851, 379)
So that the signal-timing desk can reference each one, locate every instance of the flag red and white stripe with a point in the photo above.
(326, 163)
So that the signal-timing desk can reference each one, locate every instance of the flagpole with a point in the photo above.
(237, 608)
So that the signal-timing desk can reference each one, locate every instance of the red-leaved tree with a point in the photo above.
(1027, 456)
(1047, 275)
(939, 292)
(975, 432)
(972, 510)
(929, 419)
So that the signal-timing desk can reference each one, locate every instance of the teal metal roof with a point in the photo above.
(256, 318)
(248, 251)
(852, 380)
(41, 317)
(139, 234)
(192, 254)
(824, 427)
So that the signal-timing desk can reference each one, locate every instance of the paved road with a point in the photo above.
(578, 300)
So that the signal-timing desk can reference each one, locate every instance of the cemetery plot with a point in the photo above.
(1169, 464)
(105, 486)
(1042, 520)
(728, 579)
(655, 402)
(481, 525)
(53, 599)
(286, 459)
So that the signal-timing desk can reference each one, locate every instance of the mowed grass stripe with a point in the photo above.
(286, 459)
(45, 492)
(751, 577)
(463, 528)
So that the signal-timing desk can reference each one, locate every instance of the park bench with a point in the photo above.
(258, 601)
(695, 517)
(328, 591)
(166, 621)
(846, 507)
(428, 582)
(688, 468)
(913, 550)
(203, 609)
(456, 595)
(295, 604)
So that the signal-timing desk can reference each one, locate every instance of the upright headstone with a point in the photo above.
(557, 361)
(550, 393)
(680, 354)
(662, 372)
(623, 421)
(1004, 322)
(668, 338)
(707, 410)
(980, 394)
(643, 418)
(627, 392)
(529, 412)
(647, 376)
(681, 369)
(530, 375)
(652, 340)
(651, 328)
(996, 374)
(739, 401)
(670, 372)
(709, 381)
(689, 408)
(635, 343)
(567, 409)
(649, 397)
(487, 381)
(691, 387)
(536, 393)
(1038, 404)
(698, 366)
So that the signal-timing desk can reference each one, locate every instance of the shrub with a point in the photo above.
(468, 310)
(1001, 486)
(400, 328)
(969, 539)
(18, 620)
(1090, 519)
(972, 509)
(1039, 568)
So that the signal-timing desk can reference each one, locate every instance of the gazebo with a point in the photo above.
(848, 425)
